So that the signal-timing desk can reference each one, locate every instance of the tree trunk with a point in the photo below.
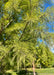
(33, 68)
(40, 66)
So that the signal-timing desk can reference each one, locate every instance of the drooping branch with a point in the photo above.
(26, 23)
(24, 30)
(2, 29)
(1, 66)
(6, 54)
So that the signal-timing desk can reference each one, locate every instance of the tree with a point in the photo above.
(44, 56)
(21, 24)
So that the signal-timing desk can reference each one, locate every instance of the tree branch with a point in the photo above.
(8, 24)
(5, 26)
(23, 31)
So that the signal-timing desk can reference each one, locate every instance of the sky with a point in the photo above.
(49, 4)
